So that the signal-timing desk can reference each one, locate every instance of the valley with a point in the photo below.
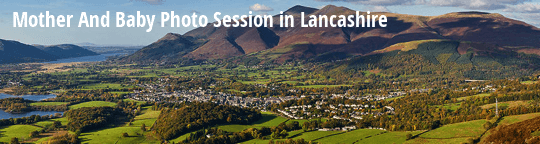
(463, 77)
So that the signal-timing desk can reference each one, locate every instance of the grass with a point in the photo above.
(138, 102)
(268, 120)
(518, 118)
(350, 137)
(48, 103)
(322, 86)
(478, 95)
(436, 141)
(508, 104)
(450, 106)
(47, 123)
(136, 135)
(389, 137)
(452, 133)
(458, 130)
(93, 104)
(104, 86)
(20, 131)
(312, 135)
(528, 82)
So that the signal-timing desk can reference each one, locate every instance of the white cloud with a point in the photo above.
(194, 11)
(524, 8)
(260, 8)
(378, 9)
(374, 2)
(152, 2)
(467, 4)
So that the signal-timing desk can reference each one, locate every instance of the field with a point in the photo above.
(46, 123)
(388, 137)
(104, 86)
(517, 118)
(508, 104)
(268, 120)
(93, 104)
(114, 134)
(326, 137)
(478, 95)
(349, 137)
(529, 82)
(322, 86)
(20, 131)
(452, 133)
(48, 103)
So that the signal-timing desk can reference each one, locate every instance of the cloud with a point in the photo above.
(128, 4)
(524, 8)
(467, 4)
(374, 2)
(260, 8)
(194, 11)
(378, 9)
(152, 2)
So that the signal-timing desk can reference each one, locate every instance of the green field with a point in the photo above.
(48, 103)
(20, 131)
(104, 86)
(452, 133)
(388, 138)
(46, 123)
(518, 118)
(350, 137)
(138, 102)
(93, 104)
(268, 120)
(322, 86)
(450, 106)
(114, 135)
(529, 82)
(478, 95)
(464, 129)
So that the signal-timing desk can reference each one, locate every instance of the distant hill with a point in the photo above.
(16, 52)
(276, 44)
(66, 51)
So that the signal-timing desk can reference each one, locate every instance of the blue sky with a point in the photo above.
(525, 10)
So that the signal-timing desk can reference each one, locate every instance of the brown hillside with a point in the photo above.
(297, 42)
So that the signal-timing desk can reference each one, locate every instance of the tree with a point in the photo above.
(409, 136)
(143, 127)
(34, 134)
(14, 140)
(57, 124)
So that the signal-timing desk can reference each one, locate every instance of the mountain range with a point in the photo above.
(16, 52)
(479, 33)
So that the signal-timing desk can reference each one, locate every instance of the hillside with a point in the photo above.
(276, 44)
(66, 51)
(16, 52)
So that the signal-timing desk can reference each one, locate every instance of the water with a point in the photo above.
(6, 115)
(28, 97)
(97, 58)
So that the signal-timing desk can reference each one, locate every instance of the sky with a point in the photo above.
(524, 10)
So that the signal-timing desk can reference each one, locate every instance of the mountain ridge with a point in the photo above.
(278, 45)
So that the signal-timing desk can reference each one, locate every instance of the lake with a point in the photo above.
(96, 58)
(6, 115)
(28, 97)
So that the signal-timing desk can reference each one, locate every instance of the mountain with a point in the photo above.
(471, 30)
(170, 46)
(66, 51)
(16, 52)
